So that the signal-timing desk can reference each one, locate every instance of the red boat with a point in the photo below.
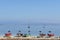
(8, 34)
(50, 35)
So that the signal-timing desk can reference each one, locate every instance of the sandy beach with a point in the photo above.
(25, 38)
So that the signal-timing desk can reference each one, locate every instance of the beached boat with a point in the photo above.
(8, 34)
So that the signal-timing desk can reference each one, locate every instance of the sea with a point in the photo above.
(34, 28)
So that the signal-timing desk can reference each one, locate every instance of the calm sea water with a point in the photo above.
(34, 28)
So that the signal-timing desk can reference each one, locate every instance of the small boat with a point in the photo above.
(19, 34)
(8, 34)
(50, 35)
(42, 35)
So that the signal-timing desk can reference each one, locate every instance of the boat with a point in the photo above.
(19, 34)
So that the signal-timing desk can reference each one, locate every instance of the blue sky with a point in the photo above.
(46, 11)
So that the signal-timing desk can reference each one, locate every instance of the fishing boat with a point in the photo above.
(50, 34)
(8, 34)
(19, 34)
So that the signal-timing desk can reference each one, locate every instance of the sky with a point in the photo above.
(31, 11)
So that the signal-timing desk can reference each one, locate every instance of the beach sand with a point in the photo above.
(24, 38)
